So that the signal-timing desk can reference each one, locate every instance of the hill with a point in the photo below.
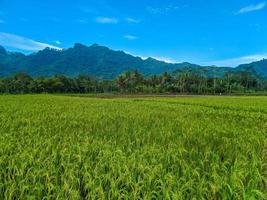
(94, 60)
(102, 62)
(260, 67)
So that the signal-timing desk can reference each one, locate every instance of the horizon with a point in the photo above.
(223, 34)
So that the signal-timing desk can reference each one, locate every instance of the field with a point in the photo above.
(67, 147)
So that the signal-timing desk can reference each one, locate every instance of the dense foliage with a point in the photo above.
(183, 82)
(59, 147)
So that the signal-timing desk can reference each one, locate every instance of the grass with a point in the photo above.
(62, 147)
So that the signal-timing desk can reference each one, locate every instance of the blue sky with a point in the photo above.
(224, 33)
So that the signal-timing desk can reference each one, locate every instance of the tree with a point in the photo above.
(22, 82)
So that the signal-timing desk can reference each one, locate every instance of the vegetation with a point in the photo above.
(60, 147)
(183, 81)
(104, 63)
(95, 60)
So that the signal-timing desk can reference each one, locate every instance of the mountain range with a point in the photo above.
(102, 62)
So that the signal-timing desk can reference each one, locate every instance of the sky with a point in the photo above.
(206, 32)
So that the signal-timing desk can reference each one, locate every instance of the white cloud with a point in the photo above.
(132, 20)
(162, 10)
(106, 20)
(159, 58)
(164, 59)
(233, 62)
(2, 21)
(154, 10)
(130, 37)
(57, 42)
(19, 42)
(252, 8)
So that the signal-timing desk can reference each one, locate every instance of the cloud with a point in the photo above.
(159, 58)
(57, 42)
(82, 21)
(162, 10)
(164, 59)
(19, 42)
(132, 20)
(106, 20)
(252, 8)
(154, 10)
(2, 21)
(130, 37)
(233, 62)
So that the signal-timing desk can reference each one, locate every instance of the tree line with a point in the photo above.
(182, 82)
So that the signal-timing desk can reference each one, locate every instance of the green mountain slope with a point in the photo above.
(101, 62)
(260, 67)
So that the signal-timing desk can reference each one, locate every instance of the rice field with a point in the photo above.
(67, 147)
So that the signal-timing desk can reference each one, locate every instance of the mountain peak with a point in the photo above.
(78, 46)
(151, 59)
(2, 50)
(82, 46)
(95, 45)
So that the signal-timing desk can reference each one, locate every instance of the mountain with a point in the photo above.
(94, 60)
(101, 62)
(9, 62)
(260, 67)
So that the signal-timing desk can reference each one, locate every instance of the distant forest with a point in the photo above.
(132, 82)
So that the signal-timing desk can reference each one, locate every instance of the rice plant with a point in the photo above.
(61, 147)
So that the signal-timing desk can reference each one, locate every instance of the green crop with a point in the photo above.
(61, 147)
